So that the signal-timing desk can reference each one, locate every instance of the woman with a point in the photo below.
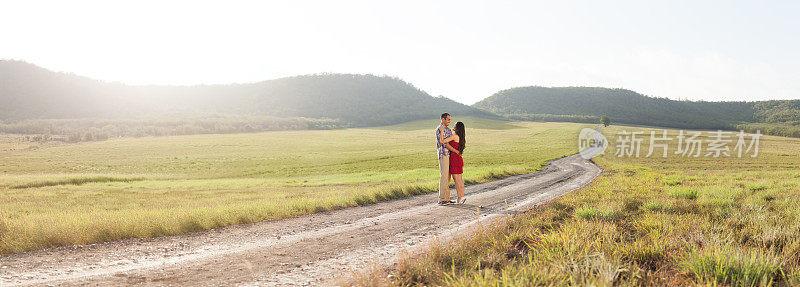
(458, 141)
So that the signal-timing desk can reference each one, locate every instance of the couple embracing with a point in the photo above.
(449, 146)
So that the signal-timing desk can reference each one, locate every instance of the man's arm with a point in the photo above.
(451, 148)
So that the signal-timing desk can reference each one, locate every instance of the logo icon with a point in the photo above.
(591, 143)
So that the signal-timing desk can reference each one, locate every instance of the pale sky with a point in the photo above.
(464, 50)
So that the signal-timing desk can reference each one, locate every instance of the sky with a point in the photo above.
(463, 50)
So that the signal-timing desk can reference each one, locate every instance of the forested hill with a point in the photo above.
(31, 92)
(622, 106)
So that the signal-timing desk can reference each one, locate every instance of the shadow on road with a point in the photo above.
(482, 209)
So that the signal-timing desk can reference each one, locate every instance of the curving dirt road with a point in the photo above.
(307, 250)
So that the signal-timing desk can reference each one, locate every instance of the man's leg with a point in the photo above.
(444, 181)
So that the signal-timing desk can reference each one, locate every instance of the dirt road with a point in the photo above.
(307, 250)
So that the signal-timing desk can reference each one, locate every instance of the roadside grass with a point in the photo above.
(147, 187)
(731, 266)
(645, 221)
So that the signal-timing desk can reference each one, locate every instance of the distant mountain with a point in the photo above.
(28, 92)
(31, 92)
(778, 111)
(627, 107)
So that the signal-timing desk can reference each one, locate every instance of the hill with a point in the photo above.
(587, 104)
(31, 92)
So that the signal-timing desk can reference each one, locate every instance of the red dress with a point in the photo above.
(456, 162)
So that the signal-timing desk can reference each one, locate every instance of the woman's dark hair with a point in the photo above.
(459, 130)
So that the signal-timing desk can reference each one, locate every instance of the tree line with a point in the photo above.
(82, 130)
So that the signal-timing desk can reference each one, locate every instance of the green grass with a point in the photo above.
(76, 180)
(734, 267)
(591, 213)
(689, 193)
(647, 221)
(92, 192)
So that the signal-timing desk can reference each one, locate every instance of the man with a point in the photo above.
(443, 150)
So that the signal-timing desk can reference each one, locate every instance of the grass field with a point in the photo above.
(146, 187)
(645, 221)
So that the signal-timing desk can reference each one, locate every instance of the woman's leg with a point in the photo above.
(459, 184)
(455, 183)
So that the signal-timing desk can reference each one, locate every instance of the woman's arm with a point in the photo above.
(447, 139)
(450, 138)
